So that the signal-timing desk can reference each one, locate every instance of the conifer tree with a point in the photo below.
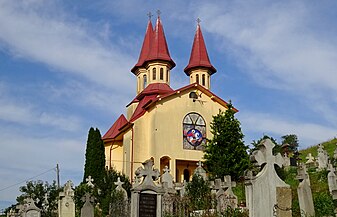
(226, 153)
(95, 157)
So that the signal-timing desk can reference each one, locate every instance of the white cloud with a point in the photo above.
(40, 31)
(308, 133)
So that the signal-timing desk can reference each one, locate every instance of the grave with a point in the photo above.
(322, 157)
(88, 208)
(29, 209)
(310, 160)
(332, 181)
(304, 192)
(146, 197)
(66, 205)
(200, 170)
(261, 199)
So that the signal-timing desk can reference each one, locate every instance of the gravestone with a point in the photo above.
(286, 160)
(335, 153)
(332, 181)
(322, 157)
(88, 208)
(66, 204)
(167, 178)
(304, 192)
(200, 170)
(231, 198)
(119, 207)
(261, 195)
(121, 189)
(310, 160)
(29, 209)
(146, 198)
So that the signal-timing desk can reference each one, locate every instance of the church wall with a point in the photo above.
(159, 132)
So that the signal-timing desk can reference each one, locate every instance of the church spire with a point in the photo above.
(146, 46)
(159, 50)
(199, 56)
(199, 67)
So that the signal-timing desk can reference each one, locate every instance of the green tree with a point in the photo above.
(226, 153)
(42, 193)
(255, 144)
(95, 158)
(292, 140)
(199, 194)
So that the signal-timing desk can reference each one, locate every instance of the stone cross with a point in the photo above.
(229, 183)
(310, 159)
(119, 187)
(200, 164)
(304, 192)
(119, 183)
(148, 172)
(200, 171)
(265, 156)
(88, 209)
(90, 181)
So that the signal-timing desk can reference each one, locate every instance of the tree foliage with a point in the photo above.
(43, 194)
(198, 193)
(95, 157)
(226, 153)
(292, 140)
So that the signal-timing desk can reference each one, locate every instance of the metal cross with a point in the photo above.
(149, 15)
(198, 21)
(158, 12)
(89, 181)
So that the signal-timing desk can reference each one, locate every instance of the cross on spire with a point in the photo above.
(198, 21)
(149, 15)
(158, 12)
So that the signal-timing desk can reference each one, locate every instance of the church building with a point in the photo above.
(169, 125)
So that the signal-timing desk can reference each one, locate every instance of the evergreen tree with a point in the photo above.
(95, 158)
(226, 153)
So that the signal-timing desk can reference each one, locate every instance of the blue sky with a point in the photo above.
(65, 66)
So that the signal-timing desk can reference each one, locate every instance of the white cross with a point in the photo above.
(265, 155)
(90, 181)
(200, 164)
(119, 183)
(147, 172)
(166, 169)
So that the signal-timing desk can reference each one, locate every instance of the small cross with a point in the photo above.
(149, 15)
(331, 168)
(166, 169)
(199, 164)
(89, 181)
(119, 183)
(198, 21)
(87, 198)
(158, 12)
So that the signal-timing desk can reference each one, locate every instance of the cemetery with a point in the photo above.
(261, 192)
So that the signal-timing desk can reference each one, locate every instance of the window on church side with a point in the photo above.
(197, 78)
(161, 75)
(203, 80)
(194, 132)
(144, 81)
(167, 75)
(154, 74)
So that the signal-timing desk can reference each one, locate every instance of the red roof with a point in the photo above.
(159, 49)
(199, 56)
(114, 131)
(147, 96)
(145, 48)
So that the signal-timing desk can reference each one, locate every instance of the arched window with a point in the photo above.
(203, 80)
(194, 132)
(197, 78)
(154, 74)
(144, 81)
(167, 75)
(161, 74)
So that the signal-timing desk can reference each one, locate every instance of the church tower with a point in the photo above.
(154, 63)
(199, 68)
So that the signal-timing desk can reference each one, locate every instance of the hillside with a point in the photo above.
(329, 146)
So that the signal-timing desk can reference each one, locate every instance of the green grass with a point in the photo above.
(329, 146)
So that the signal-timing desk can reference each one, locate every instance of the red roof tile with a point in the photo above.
(148, 95)
(145, 48)
(114, 130)
(159, 49)
(199, 56)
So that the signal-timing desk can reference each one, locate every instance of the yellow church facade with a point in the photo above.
(170, 126)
